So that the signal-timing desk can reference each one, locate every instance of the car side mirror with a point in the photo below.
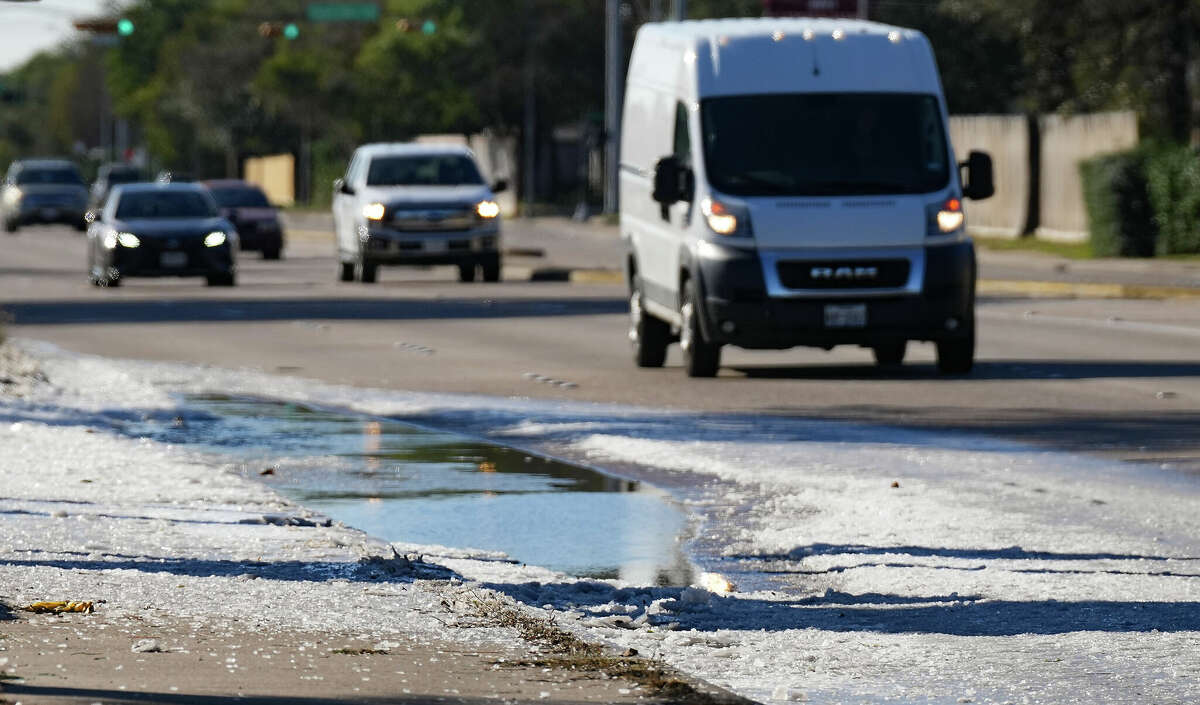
(672, 181)
(500, 186)
(341, 186)
(978, 183)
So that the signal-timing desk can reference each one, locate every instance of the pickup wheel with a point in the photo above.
(956, 356)
(649, 335)
(368, 272)
(491, 270)
(346, 272)
(700, 357)
(466, 273)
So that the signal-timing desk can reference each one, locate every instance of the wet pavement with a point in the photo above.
(411, 485)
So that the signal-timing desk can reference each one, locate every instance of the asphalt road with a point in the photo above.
(1105, 376)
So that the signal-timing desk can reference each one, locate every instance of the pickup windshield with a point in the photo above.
(825, 144)
(165, 204)
(423, 170)
(55, 176)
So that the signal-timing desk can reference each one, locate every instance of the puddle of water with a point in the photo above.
(406, 484)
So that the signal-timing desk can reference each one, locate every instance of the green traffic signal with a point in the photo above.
(291, 30)
(125, 27)
(429, 27)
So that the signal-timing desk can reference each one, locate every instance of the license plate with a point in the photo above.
(435, 245)
(173, 259)
(49, 214)
(846, 316)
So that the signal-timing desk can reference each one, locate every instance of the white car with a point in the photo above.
(416, 204)
(791, 182)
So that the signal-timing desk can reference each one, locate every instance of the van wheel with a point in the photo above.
(367, 272)
(649, 335)
(890, 354)
(956, 356)
(700, 357)
(466, 273)
(347, 272)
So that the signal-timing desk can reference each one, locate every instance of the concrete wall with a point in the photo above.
(1006, 139)
(1066, 141)
(275, 175)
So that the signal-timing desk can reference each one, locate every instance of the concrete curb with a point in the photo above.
(1083, 290)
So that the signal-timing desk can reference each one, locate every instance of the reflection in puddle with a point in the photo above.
(406, 484)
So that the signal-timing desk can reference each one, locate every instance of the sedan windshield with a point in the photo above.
(165, 204)
(423, 170)
(240, 198)
(27, 177)
(825, 144)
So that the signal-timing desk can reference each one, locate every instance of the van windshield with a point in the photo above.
(825, 144)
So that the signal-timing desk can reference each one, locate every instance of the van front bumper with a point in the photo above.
(738, 311)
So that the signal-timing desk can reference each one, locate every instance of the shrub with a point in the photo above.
(1173, 177)
(1120, 216)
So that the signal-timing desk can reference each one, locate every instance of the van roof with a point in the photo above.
(693, 30)
(783, 54)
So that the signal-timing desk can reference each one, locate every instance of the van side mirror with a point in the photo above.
(672, 181)
(340, 186)
(500, 186)
(978, 183)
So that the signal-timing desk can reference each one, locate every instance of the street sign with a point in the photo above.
(343, 12)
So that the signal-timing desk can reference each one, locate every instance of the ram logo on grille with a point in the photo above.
(851, 273)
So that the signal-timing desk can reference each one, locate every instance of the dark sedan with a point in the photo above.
(161, 230)
(43, 191)
(256, 220)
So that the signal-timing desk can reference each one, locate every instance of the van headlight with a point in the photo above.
(128, 240)
(487, 209)
(215, 239)
(946, 217)
(725, 218)
(374, 211)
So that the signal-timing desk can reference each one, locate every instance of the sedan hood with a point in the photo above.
(172, 227)
(402, 195)
(250, 215)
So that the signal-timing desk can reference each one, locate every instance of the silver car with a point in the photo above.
(43, 191)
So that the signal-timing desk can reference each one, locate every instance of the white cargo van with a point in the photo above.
(791, 182)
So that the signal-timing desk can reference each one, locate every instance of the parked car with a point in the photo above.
(161, 230)
(110, 175)
(43, 191)
(791, 182)
(419, 204)
(246, 206)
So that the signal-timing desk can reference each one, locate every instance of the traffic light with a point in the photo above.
(427, 27)
(289, 30)
(124, 26)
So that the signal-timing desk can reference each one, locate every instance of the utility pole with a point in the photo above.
(679, 10)
(613, 76)
(656, 11)
(529, 131)
(863, 9)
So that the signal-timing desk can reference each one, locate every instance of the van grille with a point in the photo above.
(844, 274)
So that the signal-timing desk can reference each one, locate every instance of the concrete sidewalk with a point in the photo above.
(556, 248)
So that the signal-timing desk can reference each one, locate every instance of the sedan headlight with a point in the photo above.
(128, 240)
(110, 240)
(487, 209)
(215, 239)
(374, 211)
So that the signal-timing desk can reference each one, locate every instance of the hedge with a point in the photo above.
(1173, 178)
(1120, 216)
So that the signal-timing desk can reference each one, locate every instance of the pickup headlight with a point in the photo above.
(215, 239)
(374, 211)
(127, 240)
(487, 209)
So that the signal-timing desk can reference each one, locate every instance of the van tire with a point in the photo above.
(956, 356)
(347, 272)
(891, 353)
(700, 357)
(650, 336)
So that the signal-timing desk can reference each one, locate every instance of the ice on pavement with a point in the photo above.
(992, 573)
